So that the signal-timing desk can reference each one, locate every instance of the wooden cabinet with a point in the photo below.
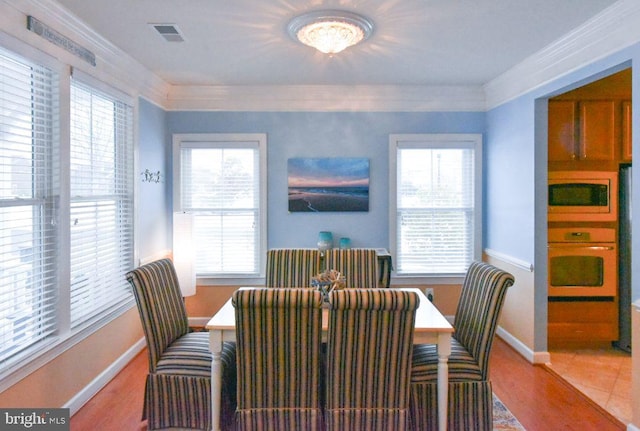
(626, 131)
(582, 321)
(598, 130)
(563, 117)
(583, 131)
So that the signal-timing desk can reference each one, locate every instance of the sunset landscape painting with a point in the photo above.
(328, 184)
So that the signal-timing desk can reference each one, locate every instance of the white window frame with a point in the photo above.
(398, 141)
(215, 140)
(124, 222)
(44, 199)
(17, 369)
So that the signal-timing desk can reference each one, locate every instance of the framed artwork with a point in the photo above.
(328, 184)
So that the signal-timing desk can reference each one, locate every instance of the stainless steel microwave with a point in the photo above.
(583, 196)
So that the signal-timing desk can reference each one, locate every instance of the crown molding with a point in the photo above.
(122, 71)
(374, 98)
(112, 62)
(609, 32)
(125, 73)
(113, 66)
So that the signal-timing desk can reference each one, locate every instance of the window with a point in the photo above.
(435, 202)
(101, 210)
(221, 180)
(66, 211)
(28, 239)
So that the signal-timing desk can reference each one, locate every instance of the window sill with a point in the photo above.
(231, 281)
(417, 280)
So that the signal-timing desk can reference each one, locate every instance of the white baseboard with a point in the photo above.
(81, 398)
(632, 427)
(520, 347)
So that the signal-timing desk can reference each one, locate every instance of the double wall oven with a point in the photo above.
(583, 262)
(583, 257)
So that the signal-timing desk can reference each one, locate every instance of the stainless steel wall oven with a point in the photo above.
(583, 262)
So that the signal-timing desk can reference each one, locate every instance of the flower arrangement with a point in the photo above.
(328, 281)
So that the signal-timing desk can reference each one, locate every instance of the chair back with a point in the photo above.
(483, 292)
(278, 337)
(369, 347)
(161, 306)
(359, 266)
(290, 267)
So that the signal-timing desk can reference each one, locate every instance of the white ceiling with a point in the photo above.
(415, 42)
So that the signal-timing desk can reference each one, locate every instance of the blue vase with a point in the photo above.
(325, 241)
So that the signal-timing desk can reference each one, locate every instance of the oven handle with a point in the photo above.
(583, 247)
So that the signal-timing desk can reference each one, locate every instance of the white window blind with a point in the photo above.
(436, 210)
(220, 184)
(28, 147)
(101, 201)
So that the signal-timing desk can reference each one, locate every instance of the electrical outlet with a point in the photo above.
(428, 291)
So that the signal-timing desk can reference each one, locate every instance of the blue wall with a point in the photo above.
(153, 200)
(509, 174)
(323, 134)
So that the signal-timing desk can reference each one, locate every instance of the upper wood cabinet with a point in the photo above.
(584, 131)
(562, 130)
(626, 131)
(598, 130)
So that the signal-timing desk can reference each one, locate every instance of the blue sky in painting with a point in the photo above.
(328, 172)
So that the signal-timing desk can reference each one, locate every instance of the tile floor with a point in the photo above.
(603, 374)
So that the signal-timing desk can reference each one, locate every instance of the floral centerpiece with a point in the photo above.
(328, 281)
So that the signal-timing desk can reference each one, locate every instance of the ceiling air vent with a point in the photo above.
(169, 32)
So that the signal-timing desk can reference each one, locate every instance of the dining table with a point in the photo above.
(430, 327)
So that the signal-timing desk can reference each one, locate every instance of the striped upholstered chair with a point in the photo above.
(358, 265)
(292, 267)
(279, 334)
(470, 405)
(178, 386)
(369, 347)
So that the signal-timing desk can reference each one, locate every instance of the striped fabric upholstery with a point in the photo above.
(470, 406)
(470, 399)
(483, 292)
(289, 267)
(358, 265)
(155, 287)
(462, 366)
(165, 409)
(178, 386)
(369, 347)
(278, 333)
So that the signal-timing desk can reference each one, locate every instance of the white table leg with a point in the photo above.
(215, 344)
(444, 350)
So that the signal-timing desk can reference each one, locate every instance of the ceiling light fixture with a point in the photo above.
(330, 31)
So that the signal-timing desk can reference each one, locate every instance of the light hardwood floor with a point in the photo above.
(535, 395)
(540, 399)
